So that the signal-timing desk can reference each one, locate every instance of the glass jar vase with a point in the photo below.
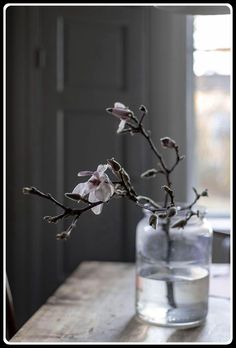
(172, 270)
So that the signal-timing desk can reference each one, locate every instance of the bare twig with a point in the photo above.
(204, 193)
(138, 127)
(75, 213)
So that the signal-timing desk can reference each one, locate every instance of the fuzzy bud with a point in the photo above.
(121, 111)
(179, 224)
(51, 219)
(153, 221)
(114, 164)
(27, 190)
(204, 193)
(147, 200)
(167, 189)
(167, 142)
(143, 108)
(63, 235)
(171, 211)
(109, 110)
(150, 173)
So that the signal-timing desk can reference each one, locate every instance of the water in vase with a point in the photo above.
(172, 296)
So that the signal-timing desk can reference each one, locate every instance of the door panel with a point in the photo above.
(94, 58)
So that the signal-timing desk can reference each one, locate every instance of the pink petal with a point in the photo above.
(82, 189)
(102, 168)
(121, 126)
(119, 105)
(120, 110)
(98, 208)
(95, 176)
(104, 192)
(85, 173)
(103, 177)
(121, 113)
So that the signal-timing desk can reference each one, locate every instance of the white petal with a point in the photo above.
(104, 177)
(95, 176)
(104, 192)
(92, 198)
(98, 208)
(82, 189)
(85, 173)
(119, 105)
(121, 126)
(102, 168)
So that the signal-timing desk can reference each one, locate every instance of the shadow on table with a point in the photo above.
(186, 335)
(137, 330)
(134, 331)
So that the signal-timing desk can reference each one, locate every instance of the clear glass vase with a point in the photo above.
(172, 271)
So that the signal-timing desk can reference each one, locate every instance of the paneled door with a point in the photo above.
(91, 57)
(65, 66)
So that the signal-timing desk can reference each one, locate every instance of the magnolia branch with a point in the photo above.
(183, 222)
(136, 126)
(123, 188)
(75, 213)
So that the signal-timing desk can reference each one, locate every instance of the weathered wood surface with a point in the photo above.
(96, 304)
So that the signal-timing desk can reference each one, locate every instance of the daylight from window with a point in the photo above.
(212, 108)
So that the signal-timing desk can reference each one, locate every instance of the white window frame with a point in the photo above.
(220, 221)
(173, 29)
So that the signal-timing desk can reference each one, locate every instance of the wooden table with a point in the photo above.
(96, 304)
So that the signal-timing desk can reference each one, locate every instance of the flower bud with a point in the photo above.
(63, 235)
(143, 108)
(204, 193)
(179, 224)
(51, 219)
(150, 173)
(153, 221)
(120, 111)
(167, 142)
(171, 211)
(114, 164)
(167, 189)
(27, 190)
(109, 110)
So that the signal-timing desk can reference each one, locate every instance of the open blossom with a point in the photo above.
(98, 188)
(122, 112)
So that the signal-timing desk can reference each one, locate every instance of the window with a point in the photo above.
(212, 108)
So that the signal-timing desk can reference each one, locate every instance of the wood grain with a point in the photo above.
(96, 304)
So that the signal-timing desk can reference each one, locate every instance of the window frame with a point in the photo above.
(176, 35)
(220, 221)
(213, 214)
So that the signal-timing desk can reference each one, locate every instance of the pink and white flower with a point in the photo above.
(98, 188)
(122, 112)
